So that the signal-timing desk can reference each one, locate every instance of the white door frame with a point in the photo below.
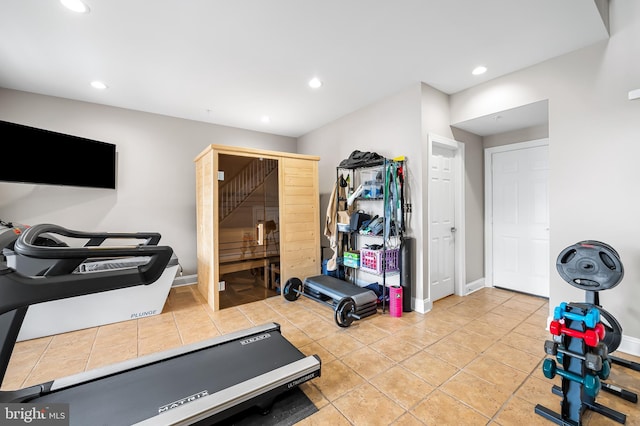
(458, 149)
(488, 199)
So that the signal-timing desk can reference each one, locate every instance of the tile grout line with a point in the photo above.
(26, 379)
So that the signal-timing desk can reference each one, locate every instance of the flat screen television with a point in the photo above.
(32, 155)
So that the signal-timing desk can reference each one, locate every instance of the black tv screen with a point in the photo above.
(32, 155)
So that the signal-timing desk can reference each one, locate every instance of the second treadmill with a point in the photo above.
(201, 383)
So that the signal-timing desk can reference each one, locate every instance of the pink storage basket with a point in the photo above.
(371, 260)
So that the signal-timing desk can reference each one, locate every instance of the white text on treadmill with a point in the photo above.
(301, 380)
(255, 339)
(182, 401)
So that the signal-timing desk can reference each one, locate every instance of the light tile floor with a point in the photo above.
(472, 360)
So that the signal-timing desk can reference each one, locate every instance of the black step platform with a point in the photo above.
(349, 301)
(328, 287)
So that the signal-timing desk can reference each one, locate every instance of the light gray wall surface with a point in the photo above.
(594, 151)
(156, 173)
(399, 125)
(520, 135)
(390, 127)
(473, 203)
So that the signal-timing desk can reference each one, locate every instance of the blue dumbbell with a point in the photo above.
(605, 370)
(590, 319)
(590, 382)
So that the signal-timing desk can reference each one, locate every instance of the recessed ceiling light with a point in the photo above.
(265, 119)
(75, 5)
(479, 70)
(315, 83)
(98, 85)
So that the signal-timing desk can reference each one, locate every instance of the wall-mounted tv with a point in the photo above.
(31, 155)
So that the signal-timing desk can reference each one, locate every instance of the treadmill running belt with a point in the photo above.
(136, 395)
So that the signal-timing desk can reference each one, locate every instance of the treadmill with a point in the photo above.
(90, 310)
(201, 383)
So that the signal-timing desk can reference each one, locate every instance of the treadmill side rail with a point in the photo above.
(210, 406)
(130, 364)
(21, 395)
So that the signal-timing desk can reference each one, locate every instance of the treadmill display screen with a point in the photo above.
(46, 157)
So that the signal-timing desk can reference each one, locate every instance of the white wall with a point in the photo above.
(520, 135)
(473, 204)
(594, 151)
(156, 174)
(399, 125)
(390, 127)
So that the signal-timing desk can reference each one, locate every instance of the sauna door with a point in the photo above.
(248, 228)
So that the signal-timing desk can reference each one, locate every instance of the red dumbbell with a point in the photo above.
(591, 336)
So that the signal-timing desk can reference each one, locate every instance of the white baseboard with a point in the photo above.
(185, 280)
(474, 286)
(423, 306)
(629, 345)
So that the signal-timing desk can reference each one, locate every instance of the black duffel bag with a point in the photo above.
(361, 159)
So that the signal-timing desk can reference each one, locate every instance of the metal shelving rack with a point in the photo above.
(354, 178)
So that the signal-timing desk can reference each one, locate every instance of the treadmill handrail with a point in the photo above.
(30, 235)
(25, 246)
(24, 291)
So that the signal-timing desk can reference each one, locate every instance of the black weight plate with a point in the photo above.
(590, 265)
(612, 330)
(343, 312)
(292, 289)
(600, 243)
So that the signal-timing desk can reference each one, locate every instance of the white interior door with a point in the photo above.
(520, 213)
(442, 223)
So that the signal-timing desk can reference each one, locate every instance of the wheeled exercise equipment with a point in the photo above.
(584, 335)
(349, 302)
(91, 310)
(201, 383)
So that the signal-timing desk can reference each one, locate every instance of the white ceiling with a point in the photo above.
(232, 62)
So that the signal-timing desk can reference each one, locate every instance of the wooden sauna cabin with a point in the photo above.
(283, 237)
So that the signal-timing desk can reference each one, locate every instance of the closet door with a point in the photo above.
(300, 218)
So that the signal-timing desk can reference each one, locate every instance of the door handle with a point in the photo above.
(453, 229)
(260, 233)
